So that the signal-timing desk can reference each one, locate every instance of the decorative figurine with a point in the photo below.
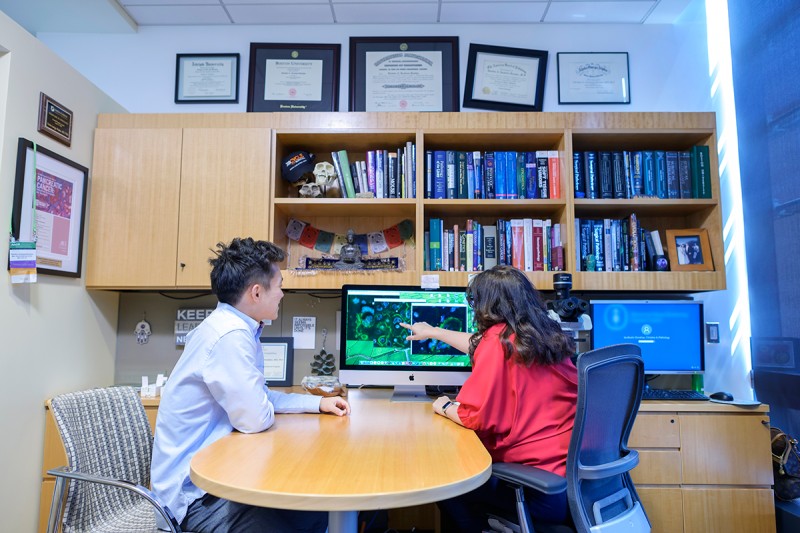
(323, 363)
(143, 331)
(350, 256)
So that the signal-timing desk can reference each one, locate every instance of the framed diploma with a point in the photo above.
(49, 208)
(207, 79)
(505, 79)
(593, 78)
(404, 74)
(278, 360)
(293, 77)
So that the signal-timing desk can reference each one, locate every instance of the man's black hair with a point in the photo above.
(240, 264)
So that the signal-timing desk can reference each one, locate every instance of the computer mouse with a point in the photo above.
(722, 396)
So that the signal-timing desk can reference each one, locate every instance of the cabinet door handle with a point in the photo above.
(183, 265)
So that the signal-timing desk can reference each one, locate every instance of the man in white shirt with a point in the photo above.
(217, 386)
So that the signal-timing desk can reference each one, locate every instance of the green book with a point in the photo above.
(701, 172)
(346, 175)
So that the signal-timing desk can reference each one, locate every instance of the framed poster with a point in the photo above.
(593, 78)
(505, 79)
(278, 360)
(49, 207)
(689, 249)
(293, 77)
(207, 79)
(404, 74)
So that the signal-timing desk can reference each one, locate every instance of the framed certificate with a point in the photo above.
(593, 78)
(404, 74)
(207, 79)
(278, 360)
(505, 79)
(49, 208)
(293, 77)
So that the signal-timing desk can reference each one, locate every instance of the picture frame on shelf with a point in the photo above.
(55, 120)
(774, 352)
(404, 74)
(500, 78)
(689, 250)
(207, 78)
(593, 78)
(49, 207)
(293, 77)
(278, 360)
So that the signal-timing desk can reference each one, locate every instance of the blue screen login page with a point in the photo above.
(668, 333)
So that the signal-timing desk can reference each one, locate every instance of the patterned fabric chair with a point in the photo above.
(109, 444)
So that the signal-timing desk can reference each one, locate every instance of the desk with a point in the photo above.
(384, 455)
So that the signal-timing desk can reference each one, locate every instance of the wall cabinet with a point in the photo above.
(704, 467)
(162, 198)
(156, 209)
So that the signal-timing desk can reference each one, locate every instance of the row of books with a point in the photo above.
(528, 244)
(502, 175)
(615, 245)
(384, 173)
(621, 174)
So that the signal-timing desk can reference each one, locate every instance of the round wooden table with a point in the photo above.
(384, 455)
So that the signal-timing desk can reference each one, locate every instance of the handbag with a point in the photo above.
(785, 465)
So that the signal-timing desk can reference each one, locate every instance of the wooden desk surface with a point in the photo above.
(385, 454)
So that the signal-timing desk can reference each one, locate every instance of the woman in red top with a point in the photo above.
(520, 398)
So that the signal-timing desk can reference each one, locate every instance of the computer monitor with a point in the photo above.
(373, 347)
(669, 332)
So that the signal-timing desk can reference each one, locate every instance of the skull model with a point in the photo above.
(324, 173)
(310, 190)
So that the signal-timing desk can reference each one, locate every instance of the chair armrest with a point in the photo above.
(620, 466)
(530, 476)
(147, 494)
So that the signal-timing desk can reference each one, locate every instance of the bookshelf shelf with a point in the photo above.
(272, 201)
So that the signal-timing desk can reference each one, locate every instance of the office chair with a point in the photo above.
(109, 445)
(600, 493)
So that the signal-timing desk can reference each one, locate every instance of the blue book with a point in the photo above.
(470, 176)
(489, 174)
(428, 173)
(451, 174)
(477, 161)
(439, 174)
(636, 173)
(660, 166)
(512, 190)
(649, 172)
(531, 179)
(579, 181)
(500, 178)
(592, 187)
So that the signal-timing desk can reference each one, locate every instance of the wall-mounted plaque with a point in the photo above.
(55, 120)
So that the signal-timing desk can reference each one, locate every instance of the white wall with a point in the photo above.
(56, 337)
(668, 64)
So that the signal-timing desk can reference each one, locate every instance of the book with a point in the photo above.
(517, 226)
(590, 168)
(439, 174)
(468, 250)
(685, 174)
(450, 174)
(660, 164)
(605, 174)
(489, 246)
(585, 242)
(488, 174)
(673, 187)
(598, 248)
(649, 173)
(701, 172)
(637, 179)
(344, 165)
(554, 173)
(543, 173)
(627, 164)
(370, 167)
(435, 225)
(657, 242)
(477, 160)
(522, 178)
(500, 176)
(531, 178)
(538, 245)
(337, 167)
(393, 177)
(462, 185)
(608, 249)
(501, 242)
(633, 234)
(618, 175)
(470, 175)
(527, 225)
(578, 180)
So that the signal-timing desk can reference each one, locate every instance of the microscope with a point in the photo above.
(568, 311)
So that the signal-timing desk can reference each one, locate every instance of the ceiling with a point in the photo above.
(126, 16)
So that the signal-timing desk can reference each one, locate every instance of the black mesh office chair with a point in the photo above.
(601, 495)
(108, 442)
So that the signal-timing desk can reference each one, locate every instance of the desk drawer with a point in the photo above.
(655, 431)
(658, 467)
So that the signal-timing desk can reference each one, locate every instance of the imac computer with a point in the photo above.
(373, 347)
(669, 332)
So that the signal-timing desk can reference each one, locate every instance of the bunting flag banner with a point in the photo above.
(375, 242)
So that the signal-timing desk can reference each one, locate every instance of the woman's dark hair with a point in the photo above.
(241, 263)
(504, 295)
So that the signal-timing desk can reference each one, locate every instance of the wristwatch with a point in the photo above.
(446, 405)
